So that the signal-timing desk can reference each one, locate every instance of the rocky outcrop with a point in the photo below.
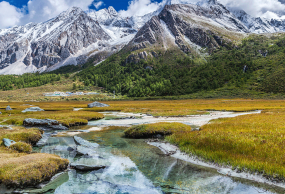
(136, 58)
(81, 59)
(97, 104)
(44, 123)
(32, 109)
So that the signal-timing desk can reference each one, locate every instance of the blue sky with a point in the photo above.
(117, 4)
(20, 12)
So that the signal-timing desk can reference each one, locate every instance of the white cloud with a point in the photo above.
(140, 7)
(256, 8)
(98, 4)
(9, 15)
(42, 10)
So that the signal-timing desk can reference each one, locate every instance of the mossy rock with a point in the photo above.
(22, 147)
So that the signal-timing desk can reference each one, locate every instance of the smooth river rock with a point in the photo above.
(8, 142)
(33, 109)
(82, 150)
(83, 167)
(97, 104)
(85, 143)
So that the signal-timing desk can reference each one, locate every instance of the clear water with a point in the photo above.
(135, 167)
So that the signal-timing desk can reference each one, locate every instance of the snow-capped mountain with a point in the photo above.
(186, 27)
(75, 35)
(259, 25)
(41, 46)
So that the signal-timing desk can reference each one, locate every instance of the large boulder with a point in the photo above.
(39, 122)
(97, 104)
(84, 167)
(8, 108)
(33, 109)
(85, 143)
(45, 123)
(8, 142)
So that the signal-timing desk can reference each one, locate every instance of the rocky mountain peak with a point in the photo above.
(212, 1)
(71, 12)
(112, 11)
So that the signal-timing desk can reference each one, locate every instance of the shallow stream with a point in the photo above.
(135, 167)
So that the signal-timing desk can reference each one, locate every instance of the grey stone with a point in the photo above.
(8, 108)
(97, 104)
(44, 139)
(33, 109)
(8, 142)
(83, 167)
(82, 150)
(6, 127)
(81, 59)
(82, 142)
(44, 123)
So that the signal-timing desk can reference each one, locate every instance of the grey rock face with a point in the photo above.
(179, 25)
(83, 167)
(8, 108)
(8, 142)
(33, 109)
(97, 104)
(81, 59)
(85, 143)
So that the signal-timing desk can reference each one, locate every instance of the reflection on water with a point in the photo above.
(133, 166)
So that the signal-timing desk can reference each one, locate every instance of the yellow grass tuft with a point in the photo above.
(22, 147)
(149, 130)
(29, 170)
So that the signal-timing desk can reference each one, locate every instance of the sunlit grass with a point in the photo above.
(150, 130)
(253, 143)
(66, 118)
(30, 169)
(22, 169)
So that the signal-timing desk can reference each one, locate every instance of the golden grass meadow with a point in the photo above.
(253, 143)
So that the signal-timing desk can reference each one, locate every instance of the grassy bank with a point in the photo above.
(253, 143)
(67, 118)
(17, 167)
(150, 130)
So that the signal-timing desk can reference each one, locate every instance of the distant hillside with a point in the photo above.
(256, 64)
